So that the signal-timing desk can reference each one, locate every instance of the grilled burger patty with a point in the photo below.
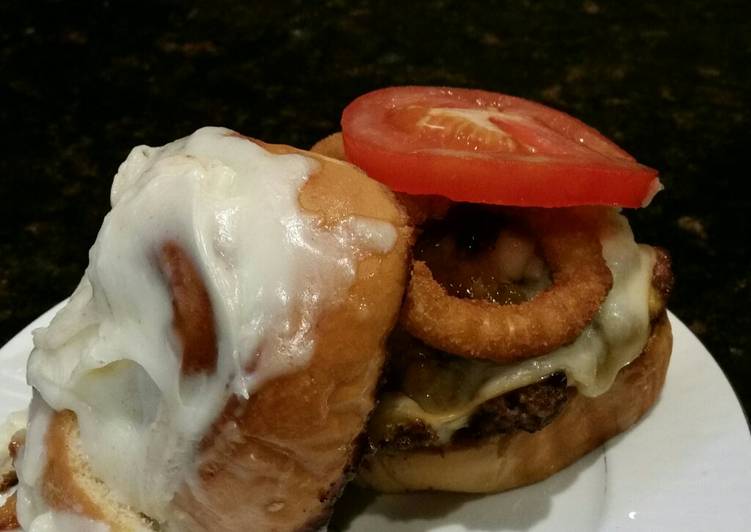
(529, 408)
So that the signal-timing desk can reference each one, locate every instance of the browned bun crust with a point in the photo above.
(508, 461)
(279, 460)
(8, 520)
(331, 146)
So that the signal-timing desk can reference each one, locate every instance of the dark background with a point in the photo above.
(83, 82)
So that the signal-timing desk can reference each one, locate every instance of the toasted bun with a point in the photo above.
(279, 460)
(509, 461)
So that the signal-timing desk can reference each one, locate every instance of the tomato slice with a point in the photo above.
(483, 147)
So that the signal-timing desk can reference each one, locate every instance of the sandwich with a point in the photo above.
(534, 327)
(215, 367)
(443, 296)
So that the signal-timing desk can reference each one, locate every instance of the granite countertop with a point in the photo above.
(81, 86)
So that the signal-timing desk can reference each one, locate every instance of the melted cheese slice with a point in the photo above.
(614, 338)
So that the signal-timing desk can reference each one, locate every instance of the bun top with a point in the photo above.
(224, 211)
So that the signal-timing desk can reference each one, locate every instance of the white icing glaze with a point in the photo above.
(615, 337)
(65, 522)
(110, 355)
(30, 462)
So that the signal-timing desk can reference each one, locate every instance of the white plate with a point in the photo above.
(685, 467)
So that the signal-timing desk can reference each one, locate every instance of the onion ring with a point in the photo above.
(506, 333)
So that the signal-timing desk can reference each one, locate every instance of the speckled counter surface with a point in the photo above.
(80, 85)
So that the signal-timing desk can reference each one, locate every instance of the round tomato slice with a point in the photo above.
(484, 147)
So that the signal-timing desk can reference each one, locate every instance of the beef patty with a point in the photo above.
(529, 409)
(436, 379)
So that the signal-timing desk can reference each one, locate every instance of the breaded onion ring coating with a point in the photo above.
(506, 333)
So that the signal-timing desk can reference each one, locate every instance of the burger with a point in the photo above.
(254, 317)
(533, 327)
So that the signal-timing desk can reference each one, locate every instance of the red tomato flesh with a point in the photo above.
(483, 147)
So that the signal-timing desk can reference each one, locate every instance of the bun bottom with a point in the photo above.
(509, 461)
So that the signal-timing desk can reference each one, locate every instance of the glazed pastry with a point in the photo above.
(217, 363)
